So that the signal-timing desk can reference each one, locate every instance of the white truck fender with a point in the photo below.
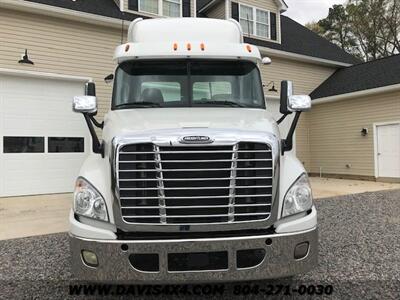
(291, 168)
(97, 171)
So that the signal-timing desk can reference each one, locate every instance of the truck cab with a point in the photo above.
(192, 180)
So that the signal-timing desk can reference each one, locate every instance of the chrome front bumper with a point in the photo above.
(114, 264)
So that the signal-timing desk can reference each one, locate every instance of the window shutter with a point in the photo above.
(235, 11)
(186, 8)
(274, 35)
(133, 5)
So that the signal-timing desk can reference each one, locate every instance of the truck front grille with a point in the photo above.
(195, 184)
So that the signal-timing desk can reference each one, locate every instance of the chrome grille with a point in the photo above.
(195, 184)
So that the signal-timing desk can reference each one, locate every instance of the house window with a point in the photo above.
(167, 8)
(255, 21)
(149, 6)
(172, 8)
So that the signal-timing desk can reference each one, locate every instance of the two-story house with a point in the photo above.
(49, 49)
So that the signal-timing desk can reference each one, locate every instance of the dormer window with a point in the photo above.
(255, 21)
(167, 8)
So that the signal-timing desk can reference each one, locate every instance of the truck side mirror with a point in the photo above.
(85, 104)
(88, 103)
(90, 89)
(292, 103)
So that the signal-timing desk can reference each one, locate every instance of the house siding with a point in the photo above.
(335, 136)
(126, 5)
(218, 11)
(303, 141)
(327, 138)
(306, 77)
(60, 46)
(193, 8)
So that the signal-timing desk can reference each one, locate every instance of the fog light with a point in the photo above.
(90, 258)
(301, 250)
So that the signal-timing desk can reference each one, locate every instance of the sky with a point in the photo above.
(304, 11)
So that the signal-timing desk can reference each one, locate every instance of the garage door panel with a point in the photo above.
(33, 160)
(36, 187)
(15, 125)
(28, 85)
(41, 172)
(38, 107)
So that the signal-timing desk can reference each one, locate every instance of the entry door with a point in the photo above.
(42, 142)
(388, 150)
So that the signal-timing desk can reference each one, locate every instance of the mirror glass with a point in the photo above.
(84, 104)
(299, 103)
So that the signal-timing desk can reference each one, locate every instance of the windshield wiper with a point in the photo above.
(138, 104)
(223, 103)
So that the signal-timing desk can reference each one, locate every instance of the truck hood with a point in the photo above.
(133, 121)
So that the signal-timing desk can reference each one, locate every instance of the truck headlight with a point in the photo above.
(88, 202)
(298, 198)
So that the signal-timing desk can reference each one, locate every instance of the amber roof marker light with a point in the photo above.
(189, 46)
(175, 46)
(202, 47)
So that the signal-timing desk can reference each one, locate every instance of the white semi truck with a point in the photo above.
(192, 180)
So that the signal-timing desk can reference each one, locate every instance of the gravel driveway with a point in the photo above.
(359, 254)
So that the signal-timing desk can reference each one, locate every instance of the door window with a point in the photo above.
(23, 144)
(66, 144)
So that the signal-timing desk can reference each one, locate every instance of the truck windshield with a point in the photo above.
(143, 84)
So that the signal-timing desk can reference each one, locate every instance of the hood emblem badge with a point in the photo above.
(196, 139)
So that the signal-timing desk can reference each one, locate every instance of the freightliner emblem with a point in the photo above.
(196, 139)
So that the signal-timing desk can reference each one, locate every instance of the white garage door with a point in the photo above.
(388, 150)
(273, 106)
(42, 142)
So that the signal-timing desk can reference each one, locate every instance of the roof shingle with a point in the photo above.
(300, 40)
(364, 76)
(106, 8)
